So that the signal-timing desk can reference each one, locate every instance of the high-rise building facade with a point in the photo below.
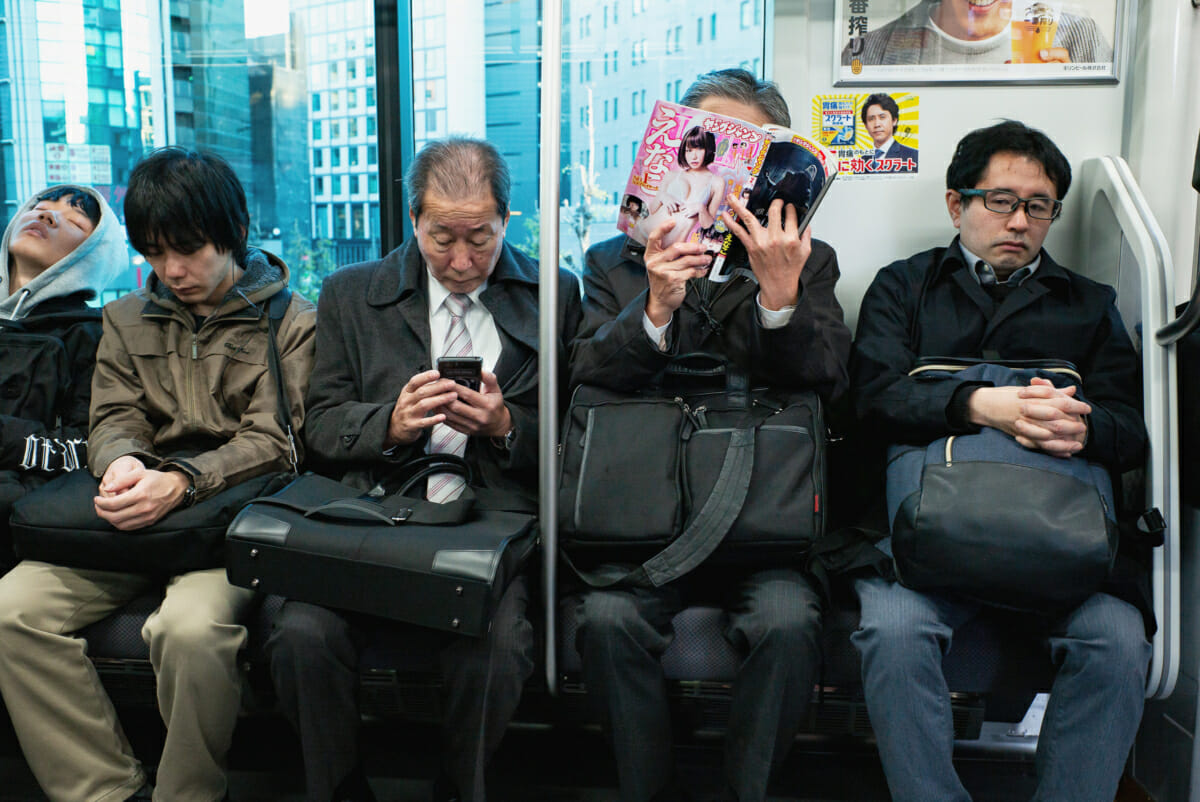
(512, 84)
(278, 75)
(210, 92)
(81, 94)
(342, 136)
(475, 73)
(620, 57)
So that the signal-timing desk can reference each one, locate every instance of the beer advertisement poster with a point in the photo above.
(880, 42)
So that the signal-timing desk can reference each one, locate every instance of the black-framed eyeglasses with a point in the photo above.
(1001, 201)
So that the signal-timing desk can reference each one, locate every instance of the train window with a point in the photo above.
(481, 77)
(661, 66)
(267, 85)
(477, 74)
(285, 90)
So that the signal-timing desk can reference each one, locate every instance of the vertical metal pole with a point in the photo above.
(551, 110)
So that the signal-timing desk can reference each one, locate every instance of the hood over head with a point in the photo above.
(89, 268)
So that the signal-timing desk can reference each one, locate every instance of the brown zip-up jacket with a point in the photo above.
(200, 397)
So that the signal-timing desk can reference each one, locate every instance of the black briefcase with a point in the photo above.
(443, 566)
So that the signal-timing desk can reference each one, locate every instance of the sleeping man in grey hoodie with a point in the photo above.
(60, 250)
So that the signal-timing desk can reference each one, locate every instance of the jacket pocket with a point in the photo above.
(153, 358)
(234, 362)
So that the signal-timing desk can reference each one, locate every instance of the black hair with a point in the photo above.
(976, 149)
(740, 85)
(697, 137)
(184, 199)
(889, 105)
(76, 197)
(458, 167)
(635, 199)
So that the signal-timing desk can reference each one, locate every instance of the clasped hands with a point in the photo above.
(133, 496)
(1039, 415)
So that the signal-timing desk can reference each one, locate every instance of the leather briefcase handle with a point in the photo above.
(404, 479)
(393, 511)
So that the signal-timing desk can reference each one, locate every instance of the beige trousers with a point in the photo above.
(65, 721)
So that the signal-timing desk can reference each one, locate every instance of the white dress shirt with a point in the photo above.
(769, 318)
(485, 337)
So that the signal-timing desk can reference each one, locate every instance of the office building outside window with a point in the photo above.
(660, 67)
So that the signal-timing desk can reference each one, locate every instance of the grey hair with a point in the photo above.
(458, 167)
(740, 85)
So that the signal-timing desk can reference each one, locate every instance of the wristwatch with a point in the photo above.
(505, 443)
(189, 492)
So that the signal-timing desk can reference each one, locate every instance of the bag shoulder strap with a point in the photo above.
(706, 531)
(276, 308)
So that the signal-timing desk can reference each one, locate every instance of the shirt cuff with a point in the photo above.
(657, 334)
(772, 318)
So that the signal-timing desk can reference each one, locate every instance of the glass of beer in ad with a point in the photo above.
(1033, 31)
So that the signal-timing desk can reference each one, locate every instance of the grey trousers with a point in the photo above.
(65, 721)
(1092, 718)
(774, 621)
(314, 654)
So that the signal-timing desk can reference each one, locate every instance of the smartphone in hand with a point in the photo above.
(466, 370)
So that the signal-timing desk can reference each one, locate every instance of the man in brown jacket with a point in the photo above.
(183, 406)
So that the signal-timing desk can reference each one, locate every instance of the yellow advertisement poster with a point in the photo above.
(873, 135)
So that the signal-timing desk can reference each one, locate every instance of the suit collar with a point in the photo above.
(634, 251)
(512, 298)
(1049, 272)
(1050, 278)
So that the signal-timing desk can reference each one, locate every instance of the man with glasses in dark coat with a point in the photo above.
(996, 294)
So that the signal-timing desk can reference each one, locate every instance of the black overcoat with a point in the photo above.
(929, 305)
(613, 351)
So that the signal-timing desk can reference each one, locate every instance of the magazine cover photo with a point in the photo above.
(689, 161)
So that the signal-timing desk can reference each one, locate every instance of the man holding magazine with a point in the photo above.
(782, 326)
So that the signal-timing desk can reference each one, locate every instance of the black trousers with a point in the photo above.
(314, 653)
(773, 620)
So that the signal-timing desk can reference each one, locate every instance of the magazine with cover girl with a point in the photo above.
(689, 161)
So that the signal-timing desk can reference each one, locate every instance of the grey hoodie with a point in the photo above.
(91, 266)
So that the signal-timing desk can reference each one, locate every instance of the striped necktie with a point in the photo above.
(445, 487)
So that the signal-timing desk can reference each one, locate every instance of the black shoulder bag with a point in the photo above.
(673, 480)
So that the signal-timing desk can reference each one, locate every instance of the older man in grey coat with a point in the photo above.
(376, 401)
